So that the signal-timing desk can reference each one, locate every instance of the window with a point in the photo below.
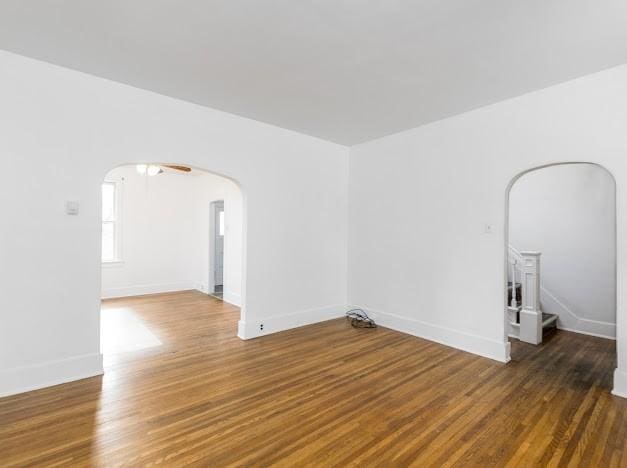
(110, 223)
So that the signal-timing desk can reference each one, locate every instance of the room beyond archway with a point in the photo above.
(158, 254)
(560, 252)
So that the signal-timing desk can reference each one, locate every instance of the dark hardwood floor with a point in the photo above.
(322, 395)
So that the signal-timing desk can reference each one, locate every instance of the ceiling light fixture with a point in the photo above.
(153, 170)
(148, 169)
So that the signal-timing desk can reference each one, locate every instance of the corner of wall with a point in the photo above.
(620, 383)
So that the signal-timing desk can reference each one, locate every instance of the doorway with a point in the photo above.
(216, 245)
(560, 252)
(157, 244)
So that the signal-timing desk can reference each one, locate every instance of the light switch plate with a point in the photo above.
(71, 208)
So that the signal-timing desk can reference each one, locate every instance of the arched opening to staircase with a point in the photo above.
(560, 258)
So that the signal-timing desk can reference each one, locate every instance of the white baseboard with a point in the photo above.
(33, 377)
(620, 383)
(568, 320)
(140, 290)
(492, 349)
(232, 298)
(252, 328)
(601, 330)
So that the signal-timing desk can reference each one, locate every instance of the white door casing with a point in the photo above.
(219, 228)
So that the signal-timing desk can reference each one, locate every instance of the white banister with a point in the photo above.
(530, 314)
(530, 280)
(528, 265)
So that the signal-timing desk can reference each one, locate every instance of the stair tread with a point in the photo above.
(548, 319)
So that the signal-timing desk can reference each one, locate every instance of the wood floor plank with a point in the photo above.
(321, 395)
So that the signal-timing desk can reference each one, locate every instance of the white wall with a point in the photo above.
(567, 213)
(420, 200)
(419, 203)
(165, 233)
(62, 131)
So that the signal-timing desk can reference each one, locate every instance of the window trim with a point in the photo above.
(117, 259)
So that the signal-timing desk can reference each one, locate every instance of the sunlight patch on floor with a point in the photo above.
(122, 331)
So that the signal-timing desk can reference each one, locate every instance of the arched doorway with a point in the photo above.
(157, 247)
(560, 252)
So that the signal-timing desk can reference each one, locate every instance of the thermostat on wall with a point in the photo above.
(71, 208)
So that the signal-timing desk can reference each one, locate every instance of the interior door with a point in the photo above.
(219, 244)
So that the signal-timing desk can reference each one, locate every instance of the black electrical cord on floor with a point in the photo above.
(359, 319)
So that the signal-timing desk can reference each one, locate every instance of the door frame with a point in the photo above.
(212, 243)
(504, 316)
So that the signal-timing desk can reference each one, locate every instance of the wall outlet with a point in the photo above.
(261, 327)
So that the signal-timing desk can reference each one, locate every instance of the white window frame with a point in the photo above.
(117, 224)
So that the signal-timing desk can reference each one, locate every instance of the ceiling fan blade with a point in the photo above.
(178, 168)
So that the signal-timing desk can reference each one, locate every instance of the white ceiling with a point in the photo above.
(343, 70)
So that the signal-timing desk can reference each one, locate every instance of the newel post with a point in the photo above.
(530, 314)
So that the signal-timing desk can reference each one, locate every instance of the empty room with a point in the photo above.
(333, 233)
(171, 234)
